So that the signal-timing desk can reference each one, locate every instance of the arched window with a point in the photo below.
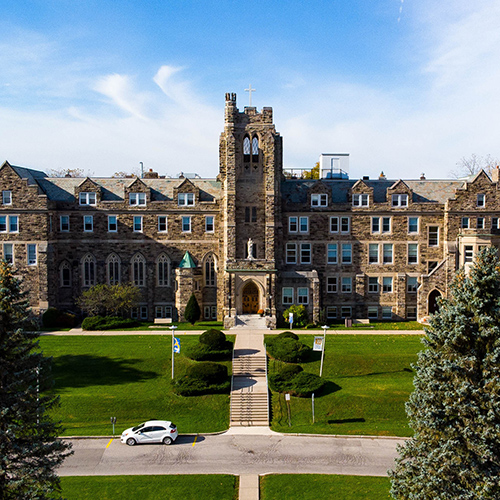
(246, 145)
(88, 270)
(65, 274)
(138, 270)
(210, 270)
(255, 147)
(163, 270)
(113, 269)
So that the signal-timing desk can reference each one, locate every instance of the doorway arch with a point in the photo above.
(433, 305)
(250, 298)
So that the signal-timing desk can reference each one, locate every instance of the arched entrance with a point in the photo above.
(433, 305)
(250, 298)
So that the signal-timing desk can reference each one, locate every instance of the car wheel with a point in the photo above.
(167, 440)
(131, 442)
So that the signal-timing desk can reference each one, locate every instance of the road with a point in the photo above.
(234, 454)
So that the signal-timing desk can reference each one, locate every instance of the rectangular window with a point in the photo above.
(431, 265)
(411, 284)
(65, 275)
(206, 312)
(162, 224)
(13, 224)
(8, 253)
(185, 199)
(144, 312)
(386, 224)
(287, 295)
(387, 253)
(305, 253)
(468, 253)
(7, 197)
(386, 312)
(481, 200)
(331, 284)
(163, 311)
(137, 199)
(112, 223)
(3, 223)
(303, 295)
(209, 224)
(413, 225)
(292, 224)
(412, 253)
(64, 223)
(345, 312)
(291, 253)
(372, 312)
(137, 223)
(213, 310)
(88, 223)
(373, 253)
(331, 312)
(411, 312)
(304, 224)
(186, 224)
(87, 198)
(360, 200)
(319, 200)
(345, 224)
(254, 214)
(346, 284)
(480, 223)
(494, 223)
(465, 223)
(332, 253)
(375, 224)
(387, 284)
(433, 236)
(399, 200)
(334, 224)
(373, 284)
(31, 252)
(346, 253)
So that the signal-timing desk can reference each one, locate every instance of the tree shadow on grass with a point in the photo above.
(371, 374)
(328, 388)
(85, 370)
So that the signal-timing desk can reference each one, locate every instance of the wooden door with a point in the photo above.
(250, 299)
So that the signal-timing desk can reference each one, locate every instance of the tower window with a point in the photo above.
(255, 147)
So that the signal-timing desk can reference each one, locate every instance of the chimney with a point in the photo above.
(151, 174)
(382, 176)
(422, 176)
(495, 174)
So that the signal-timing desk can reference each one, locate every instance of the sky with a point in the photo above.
(405, 86)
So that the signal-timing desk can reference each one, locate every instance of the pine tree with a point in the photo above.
(192, 312)
(29, 448)
(454, 410)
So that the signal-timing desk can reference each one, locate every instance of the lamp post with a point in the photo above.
(229, 299)
(173, 328)
(325, 328)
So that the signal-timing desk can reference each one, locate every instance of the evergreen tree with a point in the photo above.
(454, 410)
(192, 312)
(29, 448)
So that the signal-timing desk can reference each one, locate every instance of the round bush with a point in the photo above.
(288, 335)
(287, 349)
(281, 381)
(289, 371)
(210, 373)
(304, 384)
(214, 339)
(201, 352)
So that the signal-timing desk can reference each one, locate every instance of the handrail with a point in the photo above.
(231, 393)
(267, 382)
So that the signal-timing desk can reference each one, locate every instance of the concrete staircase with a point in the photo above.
(250, 321)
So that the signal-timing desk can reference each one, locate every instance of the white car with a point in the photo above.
(152, 431)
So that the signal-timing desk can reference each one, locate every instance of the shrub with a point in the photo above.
(294, 380)
(300, 315)
(287, 349)
(213, 339)
(107, 323)
(212, 346)
(53, 318)
(280, 381)
(211, 373)
(203, 378)
(288, 335)
(192, 312)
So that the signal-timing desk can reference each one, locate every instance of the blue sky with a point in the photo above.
(403, 86)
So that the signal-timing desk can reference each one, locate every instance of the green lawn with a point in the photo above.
(319, 486)
(148, 326)
(127, 377)
(369, 379)
(186, 487)
(374, 325)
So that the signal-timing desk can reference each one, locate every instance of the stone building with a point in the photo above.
(251, 239)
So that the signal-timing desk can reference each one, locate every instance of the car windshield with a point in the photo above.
(136, 428)
(172, 425)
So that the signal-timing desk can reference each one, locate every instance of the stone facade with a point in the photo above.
(373, 248)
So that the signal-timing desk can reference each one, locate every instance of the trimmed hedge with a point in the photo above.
(212, 346)
(107, 323)
(53, 318)
(203, 378)
(294, 380)
(287, 348)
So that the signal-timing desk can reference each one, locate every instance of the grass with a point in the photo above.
(319, 486)
(127, 377)
(369, 378)
(374, 325)
(146, 326)
(178, 487)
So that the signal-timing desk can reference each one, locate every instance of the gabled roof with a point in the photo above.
(187, 262)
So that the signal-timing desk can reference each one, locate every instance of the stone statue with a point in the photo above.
(250, 249)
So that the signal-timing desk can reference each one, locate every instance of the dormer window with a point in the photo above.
(137, 199)
(87, 198)
(185, 199)
(481, 200)
(399, 200)
(360, 200)
(319, 200)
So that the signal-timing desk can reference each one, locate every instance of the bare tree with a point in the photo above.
(473, 164)
(69, 172)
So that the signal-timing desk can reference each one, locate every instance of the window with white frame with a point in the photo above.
(399, 200)
(88, 270)
(495, 223)
(87, 198)
(293, 224)
(372, 312)
(331, 312)
(319, 200)
(346, 284)
(373, 257)
(346, 253)
(433, 236)
(303, 295)
(113, 265)
(465, 223)
(162, 311)
(468, 253)
(8, 253)
(88, 223)
(375, 224)
(65, 274)
(387, 284)
(291, 253)
(185, 199)
(373, 285)
(3, 223)
(137, 199)
(305, 253)
(386, 312)
(331, 284)
(411, 312)
(209, 224)
(162, 224)
(138, 264)
(412, 284)
(304, 224)
(332, 254)
(345, 312)
(13, 223)
(360, 200)
(137, 223)
(480, 223)
(64, 223)
(387, 253)
(163, 270)
(31, 254)
(112, 224)
(481, 200)
(210, 271)
(7, 197)
(412, 253)
(345, 225)
(413, 225)
(386, 224)
(143, 311)
(334, 224)
(186, 224)
(287, 295)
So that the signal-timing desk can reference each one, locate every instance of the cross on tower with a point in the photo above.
(250, 90)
